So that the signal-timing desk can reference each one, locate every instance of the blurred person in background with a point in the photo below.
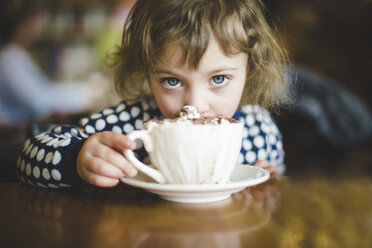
(109, 39)
(26, 93)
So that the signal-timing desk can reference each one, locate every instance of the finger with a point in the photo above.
(274, 172)
(261, 163)
(117, 141)
(115, 158)
(101, 167)
(102, 181)
(95, 179)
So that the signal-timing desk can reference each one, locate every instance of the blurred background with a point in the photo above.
(330, 38)
(329, 44)
(62, 49)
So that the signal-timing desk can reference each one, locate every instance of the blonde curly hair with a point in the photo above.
(238, 25)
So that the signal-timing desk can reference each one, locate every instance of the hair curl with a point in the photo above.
(238, 25)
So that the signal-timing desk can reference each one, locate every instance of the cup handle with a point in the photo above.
(129, 154)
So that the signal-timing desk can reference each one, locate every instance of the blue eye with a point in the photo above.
(171, 82)
(219, 79)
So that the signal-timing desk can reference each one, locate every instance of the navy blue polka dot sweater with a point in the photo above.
(49, 159)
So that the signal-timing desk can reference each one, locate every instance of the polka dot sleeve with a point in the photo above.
(123, 119)
(261, 138)
(49, 159)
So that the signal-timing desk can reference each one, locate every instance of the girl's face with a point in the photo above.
(214, 88)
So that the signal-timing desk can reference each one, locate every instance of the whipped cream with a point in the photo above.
(189, 115)
(188, 112)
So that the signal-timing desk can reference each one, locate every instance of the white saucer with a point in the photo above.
(243, 176)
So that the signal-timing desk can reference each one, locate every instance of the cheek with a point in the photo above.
(229, 102)
(227, 108)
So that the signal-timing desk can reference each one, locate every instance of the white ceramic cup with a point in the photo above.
(185, 153)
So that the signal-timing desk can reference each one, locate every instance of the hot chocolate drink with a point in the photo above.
(190, 149)
(190, 113)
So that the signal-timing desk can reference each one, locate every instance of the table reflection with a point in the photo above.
(124, 215)
(312, 212)
(180, 225)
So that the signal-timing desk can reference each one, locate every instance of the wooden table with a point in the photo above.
(311, 212)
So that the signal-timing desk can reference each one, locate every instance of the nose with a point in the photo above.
(198, 99)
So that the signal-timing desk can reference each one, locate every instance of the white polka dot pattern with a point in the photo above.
(48, 160)
(28, 169)
(258, 141)
(48, 157)
(120, 108)
(128, 128)
(261, 154)
(84, 121)
(58, 130)
(112, 119)
(68, 135)
(38, 137)
(249, 120)
(47, 139)
(52, 186)
(89, 129)
(124, 116)
(95, 116)
(139, 124)
(135, 112)
(100, 124)
(36, 172)
(56, 158)
(29, 149)
(117, 129)
(261, 138)
(46, 174)
(65, 142)
(145, 105)
(33, 152)
(52, 142)
(253, 131)
(27, 143)
(56, 175)
(250, 156)
(146, 117)
(23, 165)
(247, 144)
(74, 132)
(108, 111)
(40, 155)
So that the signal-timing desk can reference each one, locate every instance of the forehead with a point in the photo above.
(172, 54)
(175, 55)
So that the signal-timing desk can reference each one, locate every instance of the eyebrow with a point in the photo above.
(163, 71)
(221, 69)
(216, 71)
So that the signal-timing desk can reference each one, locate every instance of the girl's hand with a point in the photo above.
(264, 164)
(101, 161)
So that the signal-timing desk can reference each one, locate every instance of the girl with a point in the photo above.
(219, 56)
